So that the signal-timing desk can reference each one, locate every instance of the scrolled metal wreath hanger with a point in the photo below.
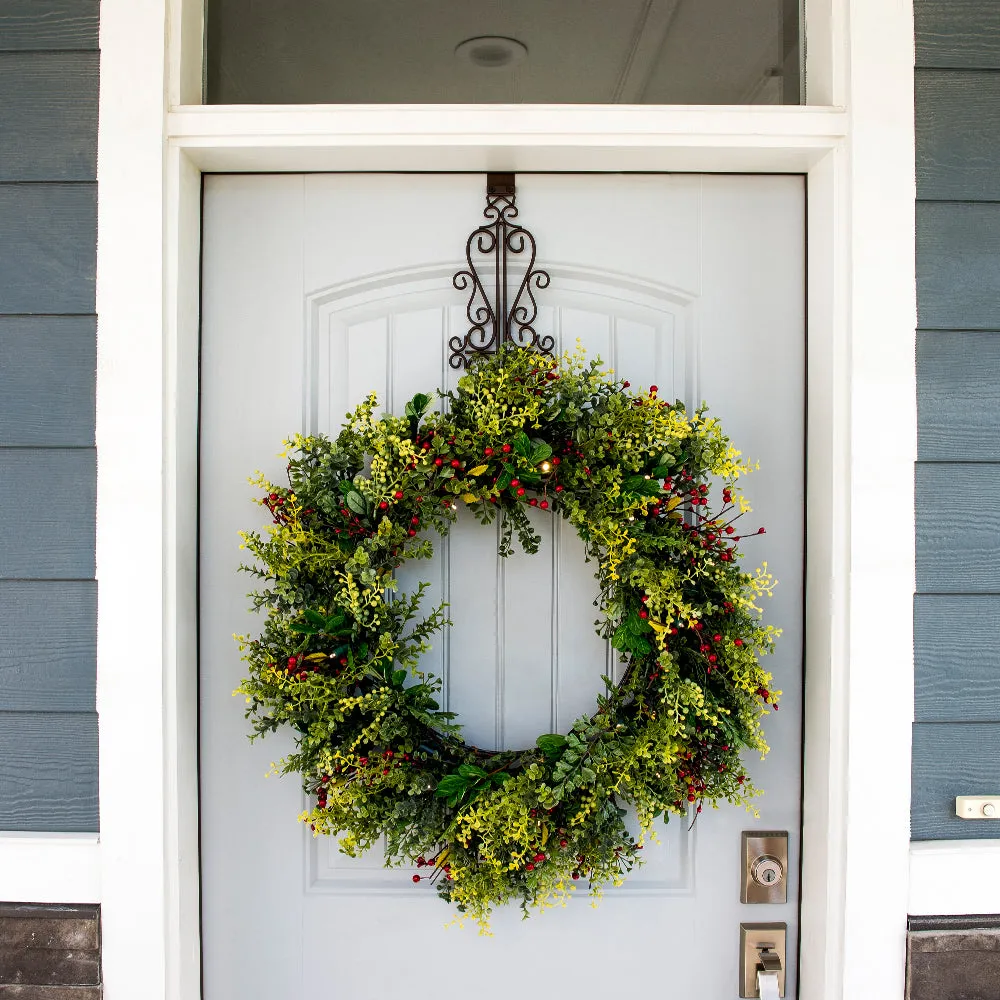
(499, 320)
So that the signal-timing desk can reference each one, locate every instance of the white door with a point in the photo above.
(320, 288)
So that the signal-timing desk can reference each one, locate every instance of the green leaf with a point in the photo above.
(471, 771)
(398, 676)
(619, 639)
(356, 502)
(522, 445)
(551, 744)
(635, 624)
(500, 777)
(416, 406)
(302, 629)
(661, 472)
(314, 618)
(451, 784)
(504, 479)
(642, 486)
(639, 646)
(542, 451)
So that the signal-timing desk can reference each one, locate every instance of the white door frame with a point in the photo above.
(856, 147)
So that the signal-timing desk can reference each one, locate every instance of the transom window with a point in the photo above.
(504, 51)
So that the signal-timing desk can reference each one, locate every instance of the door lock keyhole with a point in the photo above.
(766, 870)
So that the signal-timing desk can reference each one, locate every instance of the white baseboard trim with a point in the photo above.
(50, 868)
(954, 877)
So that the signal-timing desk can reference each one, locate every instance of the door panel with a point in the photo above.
(319, 289)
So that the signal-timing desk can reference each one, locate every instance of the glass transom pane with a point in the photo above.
(503, 51)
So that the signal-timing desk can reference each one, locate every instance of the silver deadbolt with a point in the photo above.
(766, 870)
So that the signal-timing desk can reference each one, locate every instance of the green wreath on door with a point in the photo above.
(650, 489)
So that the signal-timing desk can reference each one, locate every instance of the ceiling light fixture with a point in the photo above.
(492, 52)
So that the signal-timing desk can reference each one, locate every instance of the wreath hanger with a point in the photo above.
(506, 315)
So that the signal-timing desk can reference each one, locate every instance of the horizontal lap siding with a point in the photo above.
(956, 736)
(48, 116)
(48, 596)
(41, 25)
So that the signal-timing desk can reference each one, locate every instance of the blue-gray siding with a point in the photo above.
(48, 597)
(956, 735)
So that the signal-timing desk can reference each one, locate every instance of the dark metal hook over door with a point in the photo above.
(498, 319)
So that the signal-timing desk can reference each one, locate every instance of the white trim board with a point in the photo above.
(954, 877)
(857, 152)
(50, 868)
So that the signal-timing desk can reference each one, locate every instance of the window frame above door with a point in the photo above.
(854, 143)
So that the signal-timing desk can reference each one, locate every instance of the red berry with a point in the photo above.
(398, 495)
(439, 461)
(576, 875)
(455, 463)
(532, 502)
(520, 491)
(487, 452)
(411, 533)
(529, 867)
(505, 449)
(717, 638)
(515, 482)
(383, 505)
(544, 505)
(625, 385)
(416, 878)
(737, 642)
(539, 857)
(562, 843)
(559, 489)
(556, 460)
(653, 389)
(644, 613)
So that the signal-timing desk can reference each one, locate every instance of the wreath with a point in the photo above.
(339, 656)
